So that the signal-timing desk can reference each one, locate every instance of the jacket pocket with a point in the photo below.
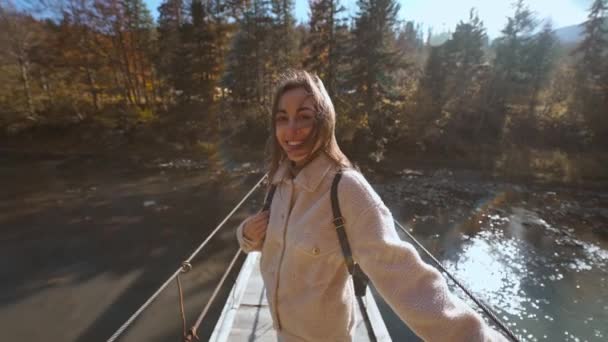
(316, 259)
(318, 242)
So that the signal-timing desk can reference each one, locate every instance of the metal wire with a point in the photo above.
(182, 312)
(143, 307)
(477, 301)
(226, 218)
(194, 330)
(186, 262)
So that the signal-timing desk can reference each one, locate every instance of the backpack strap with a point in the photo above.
(360, 280)
(269, 196)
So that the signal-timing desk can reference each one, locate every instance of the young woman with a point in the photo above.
(308, 286)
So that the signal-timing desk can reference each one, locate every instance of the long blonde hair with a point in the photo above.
(325, 123)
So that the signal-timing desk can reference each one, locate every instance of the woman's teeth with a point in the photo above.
(294, 143)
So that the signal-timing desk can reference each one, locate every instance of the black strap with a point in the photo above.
(339, 223)
(360, 279)
(269, 196)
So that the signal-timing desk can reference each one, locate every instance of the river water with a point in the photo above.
(537, 254)
(84, 240)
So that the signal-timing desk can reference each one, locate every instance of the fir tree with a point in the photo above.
(593, 47)
(201, 53)
(409, 40)
(170, 21)
(248, 71)
(511, 55)
(464, 60)
(374, 60)
(464, 53)
(326, 42)
(284, 42)
(510, 87)
(540, 62)
(592, 71)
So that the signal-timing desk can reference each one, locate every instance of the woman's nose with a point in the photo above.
(293, 126)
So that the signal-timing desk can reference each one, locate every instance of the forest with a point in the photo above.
(203, 72)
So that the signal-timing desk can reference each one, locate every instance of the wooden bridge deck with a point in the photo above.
(246, 316)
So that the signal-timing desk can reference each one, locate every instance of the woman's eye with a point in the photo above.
(280, 119)
(305, 120)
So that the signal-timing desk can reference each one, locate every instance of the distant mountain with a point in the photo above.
(573, 34)
(567, 35)
(438, 39)
(570, 34)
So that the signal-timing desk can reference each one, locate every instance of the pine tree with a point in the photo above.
(284, 42)
(594, 45)
(410, 45)
(511, 55)
(199, 54)
(409, 40)
(374, 60)
(509, 89)
(170, 22)
(432, 95)
(592, 71)
(464, 60)
(465, 55)
(248, 69)
(540, 62)
(326, 42)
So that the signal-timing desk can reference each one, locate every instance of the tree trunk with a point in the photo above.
(92, 89)
(126, 70)
(25, 79)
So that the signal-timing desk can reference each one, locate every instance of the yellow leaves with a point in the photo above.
(363, 121)
(207, 148)
(145, 115)
(105, 121)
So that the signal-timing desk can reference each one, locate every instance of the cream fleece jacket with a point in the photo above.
(309, 290)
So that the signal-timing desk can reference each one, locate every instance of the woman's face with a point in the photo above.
(294, 124)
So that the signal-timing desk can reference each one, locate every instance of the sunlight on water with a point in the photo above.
(595, 253)
(537, 258)
(537, 278)
(494, 270)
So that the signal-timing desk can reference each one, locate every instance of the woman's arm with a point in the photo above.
(416, 291)
(252, 231)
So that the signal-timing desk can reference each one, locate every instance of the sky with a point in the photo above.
(443, 15)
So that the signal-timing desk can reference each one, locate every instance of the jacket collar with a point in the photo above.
(310, 176)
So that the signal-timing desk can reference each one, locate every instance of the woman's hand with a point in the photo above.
(255, 226)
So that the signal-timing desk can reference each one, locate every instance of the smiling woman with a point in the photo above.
(304, 121)
(305, 266)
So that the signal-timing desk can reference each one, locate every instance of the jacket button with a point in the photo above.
(316, 251)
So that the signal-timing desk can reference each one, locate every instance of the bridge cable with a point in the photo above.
(192, 333)
(185, 265)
